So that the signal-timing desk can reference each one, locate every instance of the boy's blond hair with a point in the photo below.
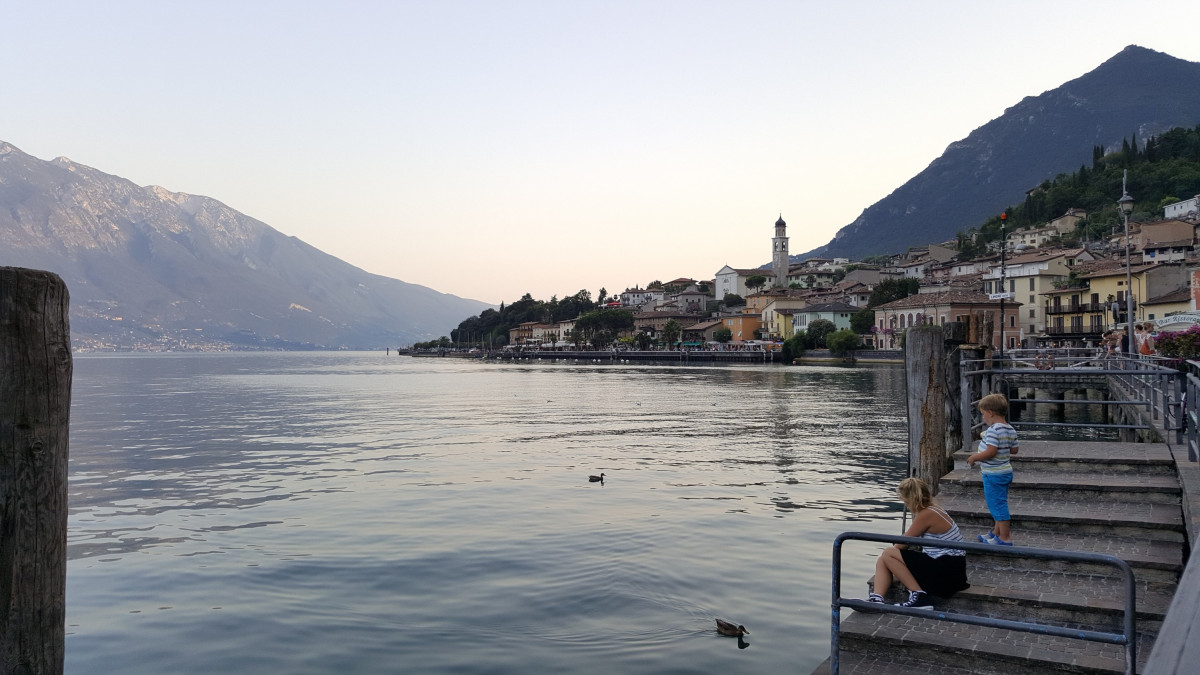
(915, 494)
(995, 403)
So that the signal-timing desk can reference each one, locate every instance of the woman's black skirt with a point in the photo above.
(942, 576)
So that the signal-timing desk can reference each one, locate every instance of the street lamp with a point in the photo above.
(1126, 205)
(1003, 290)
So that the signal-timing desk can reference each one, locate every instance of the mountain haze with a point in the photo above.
(147, 267)
(1138, 91)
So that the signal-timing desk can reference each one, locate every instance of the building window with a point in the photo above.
(1031, 283)
(1031, 313)
(1012, 320)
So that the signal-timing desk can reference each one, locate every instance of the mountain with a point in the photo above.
(1138, 91)
(149, 268)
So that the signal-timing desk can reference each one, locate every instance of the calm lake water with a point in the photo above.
(355, 512)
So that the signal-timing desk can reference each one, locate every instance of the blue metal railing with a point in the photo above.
(1128, 637)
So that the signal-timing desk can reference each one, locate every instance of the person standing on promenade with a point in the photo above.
(998, 442)
(932, 570)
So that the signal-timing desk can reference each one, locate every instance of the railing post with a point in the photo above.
(35, 407)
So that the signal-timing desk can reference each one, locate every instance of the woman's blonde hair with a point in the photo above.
(915, 494)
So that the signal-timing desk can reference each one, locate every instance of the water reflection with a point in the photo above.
(317, 499)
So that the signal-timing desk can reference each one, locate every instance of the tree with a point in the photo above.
(602, 297)
(656, 285)
(862, 321)
(842, 341)
(733, 300)
(892, 289)
(756, 281)
(643, 340)
(671, 331)
(793, 347)
(818, 330)
(722, 335)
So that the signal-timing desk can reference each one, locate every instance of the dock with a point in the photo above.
(1126, 504)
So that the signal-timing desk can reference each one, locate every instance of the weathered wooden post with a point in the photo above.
(925, 366)
(35, 406)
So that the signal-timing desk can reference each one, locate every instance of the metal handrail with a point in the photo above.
(1128, 637)
(1146, 381)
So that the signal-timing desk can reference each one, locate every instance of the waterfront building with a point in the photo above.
(701, 333)
(940, 308)
(837, 312)
(1028, 276)
(744, 326)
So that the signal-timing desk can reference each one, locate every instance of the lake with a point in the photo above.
(358, 512)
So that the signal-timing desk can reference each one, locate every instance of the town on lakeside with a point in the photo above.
(1049, 295)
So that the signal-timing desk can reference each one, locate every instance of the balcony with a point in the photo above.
(1084, 307)
(1075, 331)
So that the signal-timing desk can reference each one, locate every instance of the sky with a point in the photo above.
(496, 148)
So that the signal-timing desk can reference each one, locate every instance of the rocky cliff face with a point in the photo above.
(1137, 91)
(151, 268)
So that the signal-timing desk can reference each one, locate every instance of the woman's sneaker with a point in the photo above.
(875, 597)
(917, 600)
(989, 538)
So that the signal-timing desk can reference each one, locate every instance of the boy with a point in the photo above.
(998, 442)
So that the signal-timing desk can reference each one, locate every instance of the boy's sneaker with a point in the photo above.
(875, 597)
(999, 542)
(989, 538)
(917, 600)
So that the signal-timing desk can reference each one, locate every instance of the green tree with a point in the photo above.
(817, 331)
(842, 341)
(671, 332)
(892, 289)
(733, 300)
(722, 334)
(793, 347)
(862, 321)
(756, 281)
(643, 340)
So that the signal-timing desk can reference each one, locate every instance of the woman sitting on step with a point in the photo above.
(931, 571)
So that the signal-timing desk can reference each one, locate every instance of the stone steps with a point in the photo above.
(1114, 499)
(1045, 484)
(893, 643)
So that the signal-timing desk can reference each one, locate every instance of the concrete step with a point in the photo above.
(1087, 456)
(1052, 598)
(1092, 485)
(942, 646)
(1152, 560)
(1162, 522)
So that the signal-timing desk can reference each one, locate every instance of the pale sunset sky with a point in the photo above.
(490, 149)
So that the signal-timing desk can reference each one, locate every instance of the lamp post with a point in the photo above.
(1003, 288)
(1126, 205)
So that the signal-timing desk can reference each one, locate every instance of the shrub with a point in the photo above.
(1179, 344)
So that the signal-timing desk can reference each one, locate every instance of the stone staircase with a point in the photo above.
(1120, 499)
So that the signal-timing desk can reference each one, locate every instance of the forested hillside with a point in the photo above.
(1165, 171)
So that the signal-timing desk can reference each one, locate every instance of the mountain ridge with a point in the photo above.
(1138, 90)
(150, 267)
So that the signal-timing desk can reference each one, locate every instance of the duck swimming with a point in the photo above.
(596, 479)
(732, 630)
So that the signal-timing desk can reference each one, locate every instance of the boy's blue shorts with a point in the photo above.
(995, 493)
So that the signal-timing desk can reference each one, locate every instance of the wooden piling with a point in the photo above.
(925, 366)
(35, 406)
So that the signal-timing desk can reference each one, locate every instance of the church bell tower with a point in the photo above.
(779, 254)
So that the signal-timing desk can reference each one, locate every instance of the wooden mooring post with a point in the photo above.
(35, 407)
(936, 416)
